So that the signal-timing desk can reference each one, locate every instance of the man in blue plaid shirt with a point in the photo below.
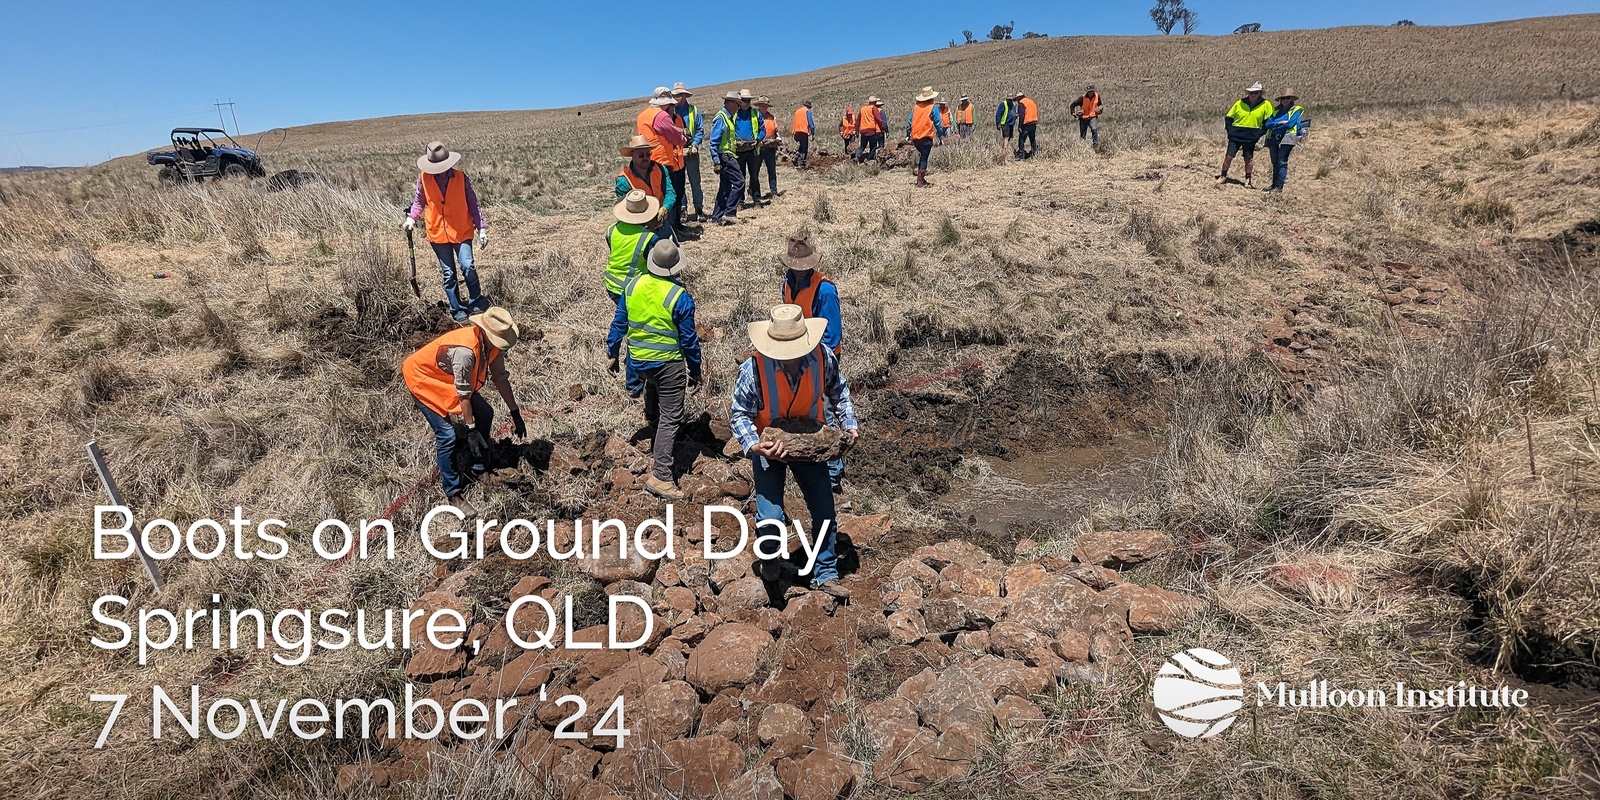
(793, 376)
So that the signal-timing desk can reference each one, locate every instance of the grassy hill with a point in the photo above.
(1371, 399)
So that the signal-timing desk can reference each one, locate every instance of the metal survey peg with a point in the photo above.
(99, 460)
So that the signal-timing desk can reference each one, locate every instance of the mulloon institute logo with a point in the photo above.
(1198, 693)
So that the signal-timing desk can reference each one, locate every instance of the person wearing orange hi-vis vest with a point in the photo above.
(803, 125)
(847, 129)
(924, 125)
(444, 378)
(771, 137)
(964, 116)
(871, 123)
(447, 205)
(793, 378)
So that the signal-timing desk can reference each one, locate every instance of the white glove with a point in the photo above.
(483, 239)
(409, 223)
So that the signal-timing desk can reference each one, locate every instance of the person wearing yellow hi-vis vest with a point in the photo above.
(655, 319)
(628, 240)
(725, 161)
(1245, 121)
(694, 130)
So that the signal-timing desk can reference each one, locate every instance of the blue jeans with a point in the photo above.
(812, 478)
(1027, 140)
(730, 187)
(836, 466)
(924, 147)
(1280, 160)
(450, 256)
(1087, 127)
(444, 443)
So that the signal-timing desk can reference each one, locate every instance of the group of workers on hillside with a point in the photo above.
(792, 372)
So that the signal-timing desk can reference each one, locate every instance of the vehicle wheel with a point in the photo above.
(167, 175)
(235, 171)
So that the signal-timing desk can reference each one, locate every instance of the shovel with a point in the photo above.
(411, 246)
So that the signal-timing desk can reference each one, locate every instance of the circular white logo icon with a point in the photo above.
(1198, 693)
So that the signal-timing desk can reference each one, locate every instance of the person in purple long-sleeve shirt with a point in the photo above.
(445, 201)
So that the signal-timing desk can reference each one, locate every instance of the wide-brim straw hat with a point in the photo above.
(926, 94)
(801, 254)
(665, 259)
(873, 100)
(662, 97)
(679, 89)
(745, 94)
(763, 101)
(1254, 87)
(787, 334)
(636, 208)
(731, 96)
(1289, 93)
(437, 159)
(497, 327)
(637, 142)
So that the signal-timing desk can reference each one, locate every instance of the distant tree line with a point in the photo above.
(1169, 14)
(998, 33)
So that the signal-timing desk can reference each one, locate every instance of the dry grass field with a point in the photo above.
(1374, 397)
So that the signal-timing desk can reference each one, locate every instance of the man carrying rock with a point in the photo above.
(444, 378)
(793, 379)
(448, 206)
(656, 316)
(1087, 110)
(818, 298)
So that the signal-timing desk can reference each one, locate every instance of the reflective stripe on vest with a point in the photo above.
(627, 253)
(436, 388)
(922, 121)
(868, 123)
(751, 120)
(781, 401)
(655, 187)
(445, 215)
(802, 121)
(728, 143)
(652, 333)
(691, 123)
(1007, 110)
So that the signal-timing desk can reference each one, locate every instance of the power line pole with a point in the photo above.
(223, 124)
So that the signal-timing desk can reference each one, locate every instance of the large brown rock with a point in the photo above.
(759, 783)
(916, 758)
(1002, 676)
(667, 711)
(959, 612)
(1119, 549)
(1015, 712)
(746, 594)
(955, 697)
(700, 767)
(913, 575)
(780, 719)
(804, 440)
(1050, 605)
(1151, 609)
(823, 775)
(731, 655)
(906, 627)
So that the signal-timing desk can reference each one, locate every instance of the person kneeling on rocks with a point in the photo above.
(657, 317)
(444, 378)
(793, 376)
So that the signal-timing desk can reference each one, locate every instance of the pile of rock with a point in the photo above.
(741, 690)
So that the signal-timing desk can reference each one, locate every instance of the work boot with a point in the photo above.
(460, 501)
(1249, 180)
(665, 490)
(832, 588)
(921, 181)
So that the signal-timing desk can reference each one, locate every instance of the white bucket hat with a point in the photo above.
(679, 89)
(1254, 87)
(636, 208)
(437, 159)
(665, 259)
(662, 97)
(787, 334)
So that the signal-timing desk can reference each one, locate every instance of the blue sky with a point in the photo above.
(92, 80)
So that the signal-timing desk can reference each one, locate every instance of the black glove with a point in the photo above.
(477, 444)
(517, 425)
(613, 365)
